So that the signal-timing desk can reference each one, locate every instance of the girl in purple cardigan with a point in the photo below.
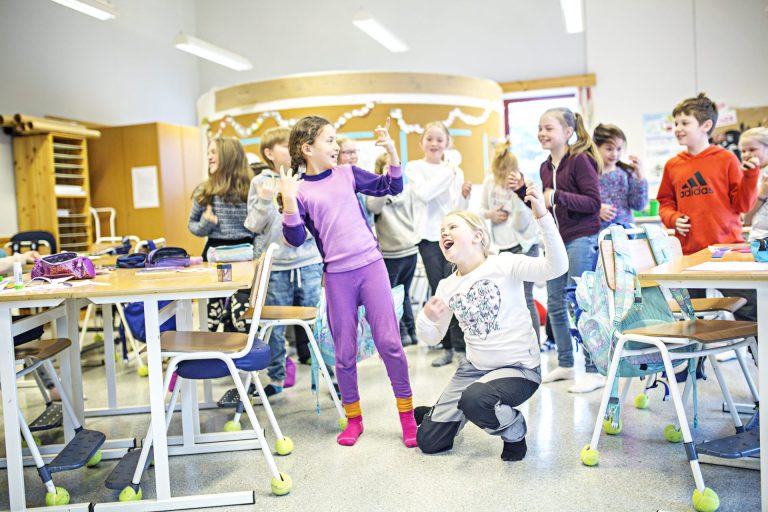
(321, 198)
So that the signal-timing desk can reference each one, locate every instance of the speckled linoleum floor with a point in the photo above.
(638, 469)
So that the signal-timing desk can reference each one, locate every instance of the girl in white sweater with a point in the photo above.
(502, 367)
(438, 188)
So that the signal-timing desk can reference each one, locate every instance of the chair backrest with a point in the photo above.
(145, 246)
(33, 239)
(260, 282)
(96, 214)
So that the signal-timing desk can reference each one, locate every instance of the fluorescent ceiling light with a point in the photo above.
(212, 52)
(95, 8)
(379, 32)
(572, 14)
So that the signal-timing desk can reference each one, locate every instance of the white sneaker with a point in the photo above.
(590, 382)
(725, 356)
(558, 373)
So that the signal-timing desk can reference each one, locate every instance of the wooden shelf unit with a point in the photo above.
(41, 162)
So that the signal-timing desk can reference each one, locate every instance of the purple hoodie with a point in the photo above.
(577, 195)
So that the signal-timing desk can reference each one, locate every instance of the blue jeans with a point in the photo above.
(528, 289)
(299, 287)
(581, 257)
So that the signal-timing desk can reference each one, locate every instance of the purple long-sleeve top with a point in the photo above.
(330, 210)
(577, 195)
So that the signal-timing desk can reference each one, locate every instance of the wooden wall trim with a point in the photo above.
(588, 80)
(347, 83)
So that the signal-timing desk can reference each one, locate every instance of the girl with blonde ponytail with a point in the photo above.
(569, 177)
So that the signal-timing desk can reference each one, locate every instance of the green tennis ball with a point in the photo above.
(281, 486)
(672, 434)
(98, 337)
(609, 429)
(708, 501)
(343, 423)
(60, 497)
(128, 494)
(284, 446)
(143, 371)
(589, 457)
(38, 441)
(94, 460)
(232, 426)
(641, 401)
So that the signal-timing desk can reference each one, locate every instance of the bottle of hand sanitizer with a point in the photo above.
(18, 275)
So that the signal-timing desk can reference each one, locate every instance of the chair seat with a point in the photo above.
(42, 349)
(729, 304)
(703, 331)
(257, 359)
(284, 313)
(197, 341)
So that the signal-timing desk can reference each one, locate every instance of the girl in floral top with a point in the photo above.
(623, 186)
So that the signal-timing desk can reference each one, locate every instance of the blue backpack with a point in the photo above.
(633, 307)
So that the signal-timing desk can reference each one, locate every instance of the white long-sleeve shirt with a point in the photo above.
(437, 192)
(489, 303)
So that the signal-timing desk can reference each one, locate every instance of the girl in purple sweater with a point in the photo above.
(321, 198)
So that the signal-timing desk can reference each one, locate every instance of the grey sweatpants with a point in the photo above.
(487, 398)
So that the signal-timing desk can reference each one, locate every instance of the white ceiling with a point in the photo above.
(502, 40)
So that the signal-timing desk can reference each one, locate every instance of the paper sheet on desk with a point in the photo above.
(56, 284)
(729, 266)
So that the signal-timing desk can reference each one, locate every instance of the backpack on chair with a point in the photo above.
(600, 325)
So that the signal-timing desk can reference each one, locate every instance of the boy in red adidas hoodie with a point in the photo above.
(703, 190)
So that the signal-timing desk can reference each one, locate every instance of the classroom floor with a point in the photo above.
(638, 469)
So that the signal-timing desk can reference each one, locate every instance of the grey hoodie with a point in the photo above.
(264, 220)
(394, 223)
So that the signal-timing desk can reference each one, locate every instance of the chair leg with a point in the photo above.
(39, 462)
(625, 390)
(281, 483)
(240, 406)
(741, 356)
(612, 371)
(726, 393)
(324, 371)
(88, 313)
(65, 402)
(690, 447)
(267, 406)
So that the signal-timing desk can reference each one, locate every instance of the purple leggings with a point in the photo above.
(345, 292)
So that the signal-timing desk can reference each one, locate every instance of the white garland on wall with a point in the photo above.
(244, 132)
(395, 113)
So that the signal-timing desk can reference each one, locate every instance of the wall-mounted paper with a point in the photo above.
(145, 189)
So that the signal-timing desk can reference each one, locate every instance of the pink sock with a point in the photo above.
(290, 373)
(409, 428)
(352, 432)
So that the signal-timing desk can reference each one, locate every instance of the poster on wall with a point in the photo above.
(660, 145)
(145, 188)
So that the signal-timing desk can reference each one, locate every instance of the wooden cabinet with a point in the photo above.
(52, 187)
(177, 155)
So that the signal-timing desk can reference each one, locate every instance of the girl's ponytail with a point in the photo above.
(585, 144)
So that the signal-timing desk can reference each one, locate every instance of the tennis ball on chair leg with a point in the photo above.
(60, 497)
(708, 501)
(343, 422)
(641, 401)
(609, 429)
(128, 494)
(284, 446)
(281, 486)
(232, 426)
(94, 460)
(589, 457)
(143, 371)
(672, 434)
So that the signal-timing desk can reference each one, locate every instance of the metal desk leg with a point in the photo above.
(10, 418)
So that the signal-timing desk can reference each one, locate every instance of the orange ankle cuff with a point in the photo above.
(404, 404)
(353, 410)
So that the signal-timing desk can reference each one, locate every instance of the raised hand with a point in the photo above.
(289, 188)
(466, 189)
(750, 163)
(683, 225)
(534, 196)
(435, 309)
(515, 181)
(384, 140)
(266, 189)
(210, 216)
(607, 212)
(497, 215)
(637, 167)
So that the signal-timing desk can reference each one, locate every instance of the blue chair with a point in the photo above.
(212, 355)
